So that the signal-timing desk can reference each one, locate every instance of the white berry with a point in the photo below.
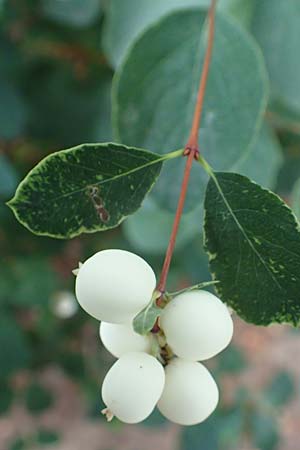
(132, 387)
(119, 339)
(190, 394)
(114, 285)
(197, 325)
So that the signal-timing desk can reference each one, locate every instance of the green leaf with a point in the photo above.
(37, 398)
(66, 110)
(126, 20)
(204, 436)
(264, 430)
(281, 389)
(92, 187)
(18, 444)
(18, 283)
(14, 348)
(46, 436)
(73, 364)
(156, 223)
(289, 172)
(253, 242)
(6, 397)
(12, 111)
(231, 427)
(145, 320)
(264, 159)
(76, 13)
(296, 198)
(276, 28)
(232, 361)
(192, 262)
(8, 177)
(154, 98)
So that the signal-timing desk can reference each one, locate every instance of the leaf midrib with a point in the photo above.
(243, 232)
(99, 183)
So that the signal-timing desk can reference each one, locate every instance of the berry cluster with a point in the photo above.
(114, 286)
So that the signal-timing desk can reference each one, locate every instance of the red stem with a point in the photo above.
(191, 148)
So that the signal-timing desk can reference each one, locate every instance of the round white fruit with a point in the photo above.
(132, 387)
(190, 394)
(197, 325)
(114, 285)
(119, 339)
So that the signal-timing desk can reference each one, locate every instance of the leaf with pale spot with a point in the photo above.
(92, 187)
(253, 242)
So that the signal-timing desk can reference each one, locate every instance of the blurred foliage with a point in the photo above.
(56, 69)
(37, 398)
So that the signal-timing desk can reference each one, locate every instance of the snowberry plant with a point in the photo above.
(251, 236)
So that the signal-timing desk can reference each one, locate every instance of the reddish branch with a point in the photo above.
(191, 148)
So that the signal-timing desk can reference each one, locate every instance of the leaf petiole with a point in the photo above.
(193, 288)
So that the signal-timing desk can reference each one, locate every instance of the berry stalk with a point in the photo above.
(191, 149)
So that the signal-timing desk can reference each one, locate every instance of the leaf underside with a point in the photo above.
(253, 242)
(88, 188)
(145, 320)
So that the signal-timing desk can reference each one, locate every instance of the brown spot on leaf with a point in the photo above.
(94, 194)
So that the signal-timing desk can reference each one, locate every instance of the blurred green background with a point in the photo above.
(57, 60)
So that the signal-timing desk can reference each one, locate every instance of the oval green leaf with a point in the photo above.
(75, 13)
(253, 242)
(263, 161)
(92, 187)
(276, 26)
(154, 97)
(126, 20)
(156, 224)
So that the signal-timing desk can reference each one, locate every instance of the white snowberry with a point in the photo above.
(197, 325)
(119, 339)
(114, 285)
(132, 387)
(190, 394)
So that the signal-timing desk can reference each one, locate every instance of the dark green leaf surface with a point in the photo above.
(37, 398)
(88, 188)
(66, 110)
(12, 111)
(276, 26)
(6, 397)
(14, 348)
(46, 436)
(154, 99)
(253, 242)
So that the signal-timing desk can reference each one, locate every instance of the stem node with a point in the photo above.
(191, 150)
